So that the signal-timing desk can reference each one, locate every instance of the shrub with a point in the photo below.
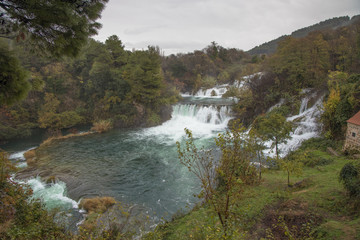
(30, 154)
(350, 177)
(319, 143)
(97, 205)
(316, 158)
(102, 126)
(153, 119)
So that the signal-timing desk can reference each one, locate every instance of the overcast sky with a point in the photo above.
(186, 25)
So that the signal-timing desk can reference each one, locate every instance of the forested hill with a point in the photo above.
(271, 46)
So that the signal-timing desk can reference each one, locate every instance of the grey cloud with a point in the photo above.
(186, 25)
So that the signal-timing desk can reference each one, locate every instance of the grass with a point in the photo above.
(317, 209)
(52, 140)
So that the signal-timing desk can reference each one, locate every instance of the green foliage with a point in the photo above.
(21, 218)
(350, 177)
(143, 74)
(301, 63)
(342, 102)
(292, 166)
(49, 116)
(221, 182)
(271, 46)
(320, 144)
(274, 127)
(58, 27)
(13, 77)
(208, 82)
(315, 158)
(203, 68)
(315, 208)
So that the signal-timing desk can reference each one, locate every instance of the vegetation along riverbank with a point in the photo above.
(217, 143)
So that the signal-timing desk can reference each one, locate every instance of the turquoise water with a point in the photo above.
(137, 166)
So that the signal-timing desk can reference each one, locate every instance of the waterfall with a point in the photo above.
(217, 91)
(306, 125)
(203, 120)
(206, 114)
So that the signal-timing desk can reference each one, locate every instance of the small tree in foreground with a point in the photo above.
(221, 180)
(275, 128)
(292, 165)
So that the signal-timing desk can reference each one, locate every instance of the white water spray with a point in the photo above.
(306, 126)
(53, 195)
(203, 120)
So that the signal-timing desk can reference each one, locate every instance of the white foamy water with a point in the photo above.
(53, 195)
(215, 92)
(19, 155)
(19, 158)
(306, 126)
(203, 120)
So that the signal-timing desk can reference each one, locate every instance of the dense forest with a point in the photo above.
(58, 85)
(136, 88)
(105, 82)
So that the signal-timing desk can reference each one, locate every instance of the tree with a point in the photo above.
(292, 166)
(13, 77)
(274, 127)
(341, 103)
(144, 76)
(222, 180)
(257, 148)
(49, 117)
(59, 27)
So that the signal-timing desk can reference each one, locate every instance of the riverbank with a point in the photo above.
(316, 207)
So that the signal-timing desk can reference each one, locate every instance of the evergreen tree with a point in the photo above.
(58, 27)
(13, 77)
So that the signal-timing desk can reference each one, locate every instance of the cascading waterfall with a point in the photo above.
(217, 91)
(203, 120)
(306, 125)
(206, 114)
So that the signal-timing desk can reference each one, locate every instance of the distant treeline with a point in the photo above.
(270, 47)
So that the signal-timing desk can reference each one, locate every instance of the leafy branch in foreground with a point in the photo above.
(221, 180)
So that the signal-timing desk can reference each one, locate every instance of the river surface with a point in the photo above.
(137, 166)
(140, 167)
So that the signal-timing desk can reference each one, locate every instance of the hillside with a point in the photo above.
(315, 207)
(334, 23)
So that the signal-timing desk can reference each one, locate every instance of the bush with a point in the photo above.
(320, 144)
(21, 218)
(350, 177)
(97, 205)
(30, 154)
(102, 126)
(316, 158)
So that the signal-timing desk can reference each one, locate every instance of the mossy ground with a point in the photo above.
(317, 207)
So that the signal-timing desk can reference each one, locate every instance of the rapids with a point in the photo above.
(136, 166)
(140, 167)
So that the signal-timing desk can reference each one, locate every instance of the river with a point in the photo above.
(140, 167)
(136, 166)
